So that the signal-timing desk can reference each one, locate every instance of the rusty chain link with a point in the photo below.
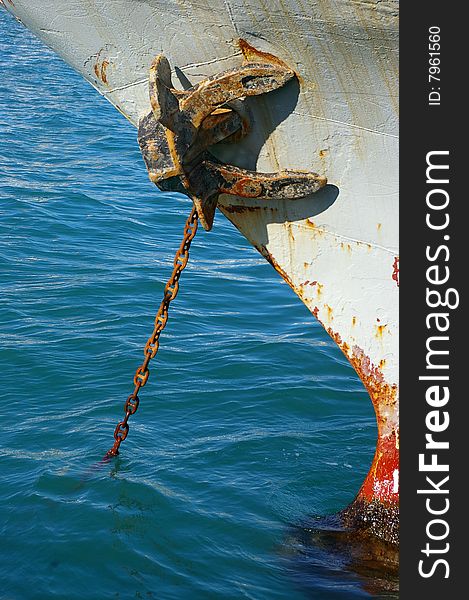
(151, 347)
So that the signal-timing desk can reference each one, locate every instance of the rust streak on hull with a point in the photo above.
(376, 506)
(395, 273)
(375, 510)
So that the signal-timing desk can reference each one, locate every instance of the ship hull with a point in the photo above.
(338, 248)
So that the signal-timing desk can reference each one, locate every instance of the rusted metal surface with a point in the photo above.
(379, 493)
(100, 69)
(151, 347)
(337, 250)
(395, 270)
(175, 136)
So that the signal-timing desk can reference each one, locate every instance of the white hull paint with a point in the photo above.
(337, 249)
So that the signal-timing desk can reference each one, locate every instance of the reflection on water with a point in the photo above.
(344, 561)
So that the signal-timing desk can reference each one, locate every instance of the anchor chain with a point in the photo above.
(175, 137)
(151, 347)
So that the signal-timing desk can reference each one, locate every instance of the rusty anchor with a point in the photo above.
(175, 135)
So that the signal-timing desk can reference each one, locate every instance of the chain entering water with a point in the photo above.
(151, 347)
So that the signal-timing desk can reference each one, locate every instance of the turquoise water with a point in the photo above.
(251, 425)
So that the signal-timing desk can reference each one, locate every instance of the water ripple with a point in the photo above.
(252, 419)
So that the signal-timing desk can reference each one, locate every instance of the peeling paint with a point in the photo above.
(311, 283)
(379, 493)
(395, 272)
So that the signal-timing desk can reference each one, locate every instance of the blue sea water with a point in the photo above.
(251, 426)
